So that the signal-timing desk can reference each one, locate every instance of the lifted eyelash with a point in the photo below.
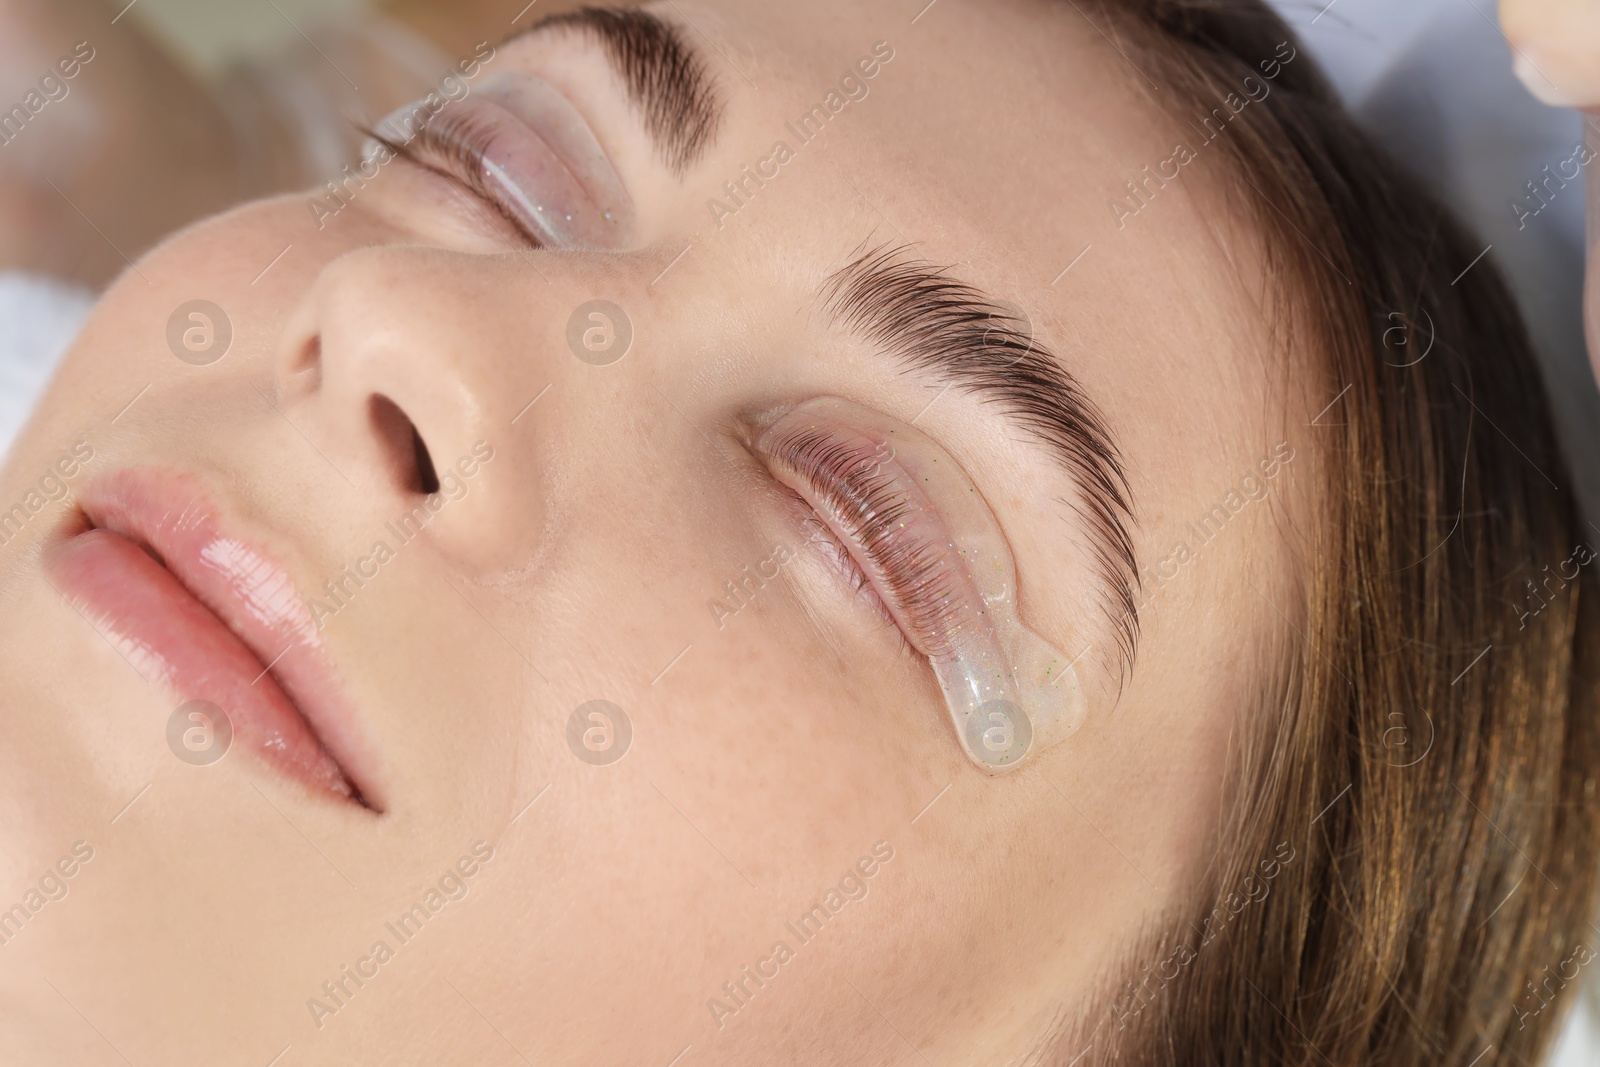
(851, 484)
(454, 147)
(915, 524)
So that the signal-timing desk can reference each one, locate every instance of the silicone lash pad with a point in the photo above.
(921, 532)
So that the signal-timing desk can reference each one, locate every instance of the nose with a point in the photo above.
(404, 367)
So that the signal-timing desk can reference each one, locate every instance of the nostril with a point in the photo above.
(427, 477)
(409, 460)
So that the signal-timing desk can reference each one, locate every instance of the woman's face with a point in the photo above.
(426, 843)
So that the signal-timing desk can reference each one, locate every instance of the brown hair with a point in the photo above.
(1406, 872)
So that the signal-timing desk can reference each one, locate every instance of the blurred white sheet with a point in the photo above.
(39, 318)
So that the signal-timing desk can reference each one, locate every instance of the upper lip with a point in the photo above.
(173, 518)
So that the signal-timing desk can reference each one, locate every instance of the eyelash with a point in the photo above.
(849, 482)
(462, 148)
(826, 542)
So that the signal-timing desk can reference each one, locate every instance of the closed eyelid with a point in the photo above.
(665, 77)
(934, 325)
(933, 550)
(452, 160)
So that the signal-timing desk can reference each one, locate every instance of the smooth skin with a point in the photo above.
(768, 755)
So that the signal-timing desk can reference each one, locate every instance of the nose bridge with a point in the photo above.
(450, 337)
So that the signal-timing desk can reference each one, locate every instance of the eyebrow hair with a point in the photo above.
(959, 335)
(665, 78)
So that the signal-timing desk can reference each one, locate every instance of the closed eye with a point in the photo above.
(842, 563)
(861, 509)
(455, 151)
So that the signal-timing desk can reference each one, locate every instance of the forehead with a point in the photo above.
(992, 116)
(998, 140)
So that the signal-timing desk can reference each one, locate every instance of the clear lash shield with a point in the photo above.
(922, 534)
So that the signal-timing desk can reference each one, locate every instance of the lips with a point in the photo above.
(208, 616)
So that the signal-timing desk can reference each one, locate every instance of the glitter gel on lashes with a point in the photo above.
(1009, 692)
(533, 152)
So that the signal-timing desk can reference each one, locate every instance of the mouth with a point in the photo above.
(210, 617)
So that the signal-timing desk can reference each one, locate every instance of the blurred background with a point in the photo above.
(211, 34)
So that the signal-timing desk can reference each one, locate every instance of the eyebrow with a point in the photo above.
(957, 334)
(665, 79)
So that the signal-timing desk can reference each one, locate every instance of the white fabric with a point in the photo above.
(1579, 1044)
(39, 318)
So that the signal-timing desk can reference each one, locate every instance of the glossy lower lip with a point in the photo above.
(209, 616)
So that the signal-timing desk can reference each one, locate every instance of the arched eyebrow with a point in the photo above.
(960, 337)
(665, 78)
